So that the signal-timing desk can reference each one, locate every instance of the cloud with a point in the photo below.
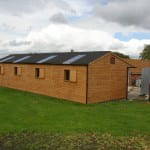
(22, 7)
(125, 12)
(20, 17)
(61, 25)
(27, 6)
(58, 18)
(7, 27)
(64, 37)
(117, 46)
(18, 43)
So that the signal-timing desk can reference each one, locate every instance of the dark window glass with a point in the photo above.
(112, 60)
(15, 70)
(37, 72)
(67, 74)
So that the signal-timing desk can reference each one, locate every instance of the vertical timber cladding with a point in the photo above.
(107, 81)
(52, 84)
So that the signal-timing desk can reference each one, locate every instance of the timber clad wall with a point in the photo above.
(102, 79)
(107, 81)
(52, 84)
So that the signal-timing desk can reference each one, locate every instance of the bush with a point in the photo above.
(48, 141)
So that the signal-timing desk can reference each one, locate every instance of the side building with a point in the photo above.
(136, 73)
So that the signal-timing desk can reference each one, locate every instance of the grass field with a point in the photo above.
(26, 111)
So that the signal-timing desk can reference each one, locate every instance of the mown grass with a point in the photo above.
(26, 111)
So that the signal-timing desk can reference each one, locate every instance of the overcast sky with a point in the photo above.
(83, 25)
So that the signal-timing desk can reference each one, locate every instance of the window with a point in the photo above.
(1, 70)
(67, 75)
(112, 60)
(17, 71)
(70, 75)
(39, 73)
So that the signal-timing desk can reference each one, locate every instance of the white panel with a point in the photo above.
(21, 59)
(145, 81)
(46, 59)
(8, 58)
(73, 59)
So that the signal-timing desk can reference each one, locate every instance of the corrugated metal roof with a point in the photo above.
(21, 59)
(6, 58)
(45, 58)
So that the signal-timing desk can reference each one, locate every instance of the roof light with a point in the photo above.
(8, 58)
(73, 59)
(21, 59)
(46, 59)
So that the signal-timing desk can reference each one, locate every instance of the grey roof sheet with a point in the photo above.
(59, 59)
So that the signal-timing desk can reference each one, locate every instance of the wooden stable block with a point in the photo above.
(97, 82)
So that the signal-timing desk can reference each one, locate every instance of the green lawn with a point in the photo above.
(26, 111)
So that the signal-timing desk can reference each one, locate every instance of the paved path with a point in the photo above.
(133, 93)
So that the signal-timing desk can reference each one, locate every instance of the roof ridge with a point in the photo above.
(58, 52)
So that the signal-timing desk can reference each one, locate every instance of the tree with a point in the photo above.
(121, 55)
(145, 53)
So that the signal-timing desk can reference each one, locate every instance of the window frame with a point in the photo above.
(39, 73)
(70, 75)
(17, 71)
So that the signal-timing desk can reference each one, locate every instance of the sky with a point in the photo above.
(32, 26)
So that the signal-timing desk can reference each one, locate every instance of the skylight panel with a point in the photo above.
(21, 59)
(73, 59)
(8, 58)
(46, 59)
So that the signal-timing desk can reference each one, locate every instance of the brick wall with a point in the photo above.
(135, 73)
(139, 64)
